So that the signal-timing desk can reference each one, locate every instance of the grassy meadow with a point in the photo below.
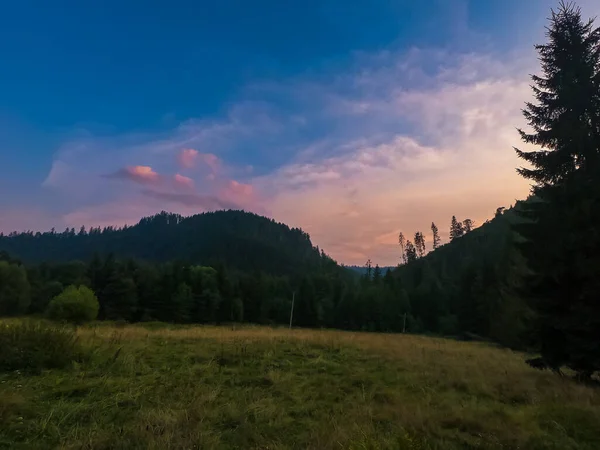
(163, 387)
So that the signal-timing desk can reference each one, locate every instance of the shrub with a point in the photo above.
(74, 304)
(31, 346)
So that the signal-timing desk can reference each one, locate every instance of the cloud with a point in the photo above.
(58, 171)
(138, 174)
(187, 157)
(145, 175)
(237, 189)
(212, 161)
(183, 181)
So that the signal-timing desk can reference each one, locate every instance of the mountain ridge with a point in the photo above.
(238, 239)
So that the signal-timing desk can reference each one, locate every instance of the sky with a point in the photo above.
(352, 120)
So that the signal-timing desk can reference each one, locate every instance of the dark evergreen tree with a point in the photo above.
(369, 270)
(150, 293)
(305, 314)
(563, 288)
(411, 252)
(181, 304)
(377, 274)
(41, 295)
(14, 289)
(435, 235)
(119, 298)
(402, 243)
(420, 244)
(456, 229)
(566, 118)
(467, 226)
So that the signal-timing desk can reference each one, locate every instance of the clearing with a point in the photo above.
(162, 387)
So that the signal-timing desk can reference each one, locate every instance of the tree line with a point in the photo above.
(178, 292)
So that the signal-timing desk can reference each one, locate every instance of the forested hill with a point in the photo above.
(238, 239)
(470, 283)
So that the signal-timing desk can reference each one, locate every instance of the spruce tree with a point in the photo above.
(420, 244)
(562, 219)
(411, 252)
(456, 229)
(377, 274)
(436, 235)
(368, 269)
(467, 226)
(566, 118)
(402, 243)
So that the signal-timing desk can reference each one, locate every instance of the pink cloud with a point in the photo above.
(211, 160)
(138, 174)
(187, 157)
(242, 194)
(183, 181)
(237, 189)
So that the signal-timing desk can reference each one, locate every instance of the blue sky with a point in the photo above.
(192, 105)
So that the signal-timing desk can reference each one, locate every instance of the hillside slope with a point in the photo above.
(238, 239)
(471, 284)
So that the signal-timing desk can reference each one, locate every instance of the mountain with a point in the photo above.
(238, 239)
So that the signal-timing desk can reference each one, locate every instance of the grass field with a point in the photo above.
(261, 388)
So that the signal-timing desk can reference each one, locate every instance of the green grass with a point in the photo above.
(260, 388)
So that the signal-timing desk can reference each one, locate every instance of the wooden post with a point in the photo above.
(404, 326)
(292, 310)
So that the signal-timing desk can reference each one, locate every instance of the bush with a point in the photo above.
(31, 346)
(74, 304)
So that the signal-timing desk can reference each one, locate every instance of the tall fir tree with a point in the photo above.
(368, 269)
(402, 243)
(435, 235)
(377, 274)
(563, 287)
(566, 118)
(456, 229)
(467, 226)
(411, 252)
(420, 244)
